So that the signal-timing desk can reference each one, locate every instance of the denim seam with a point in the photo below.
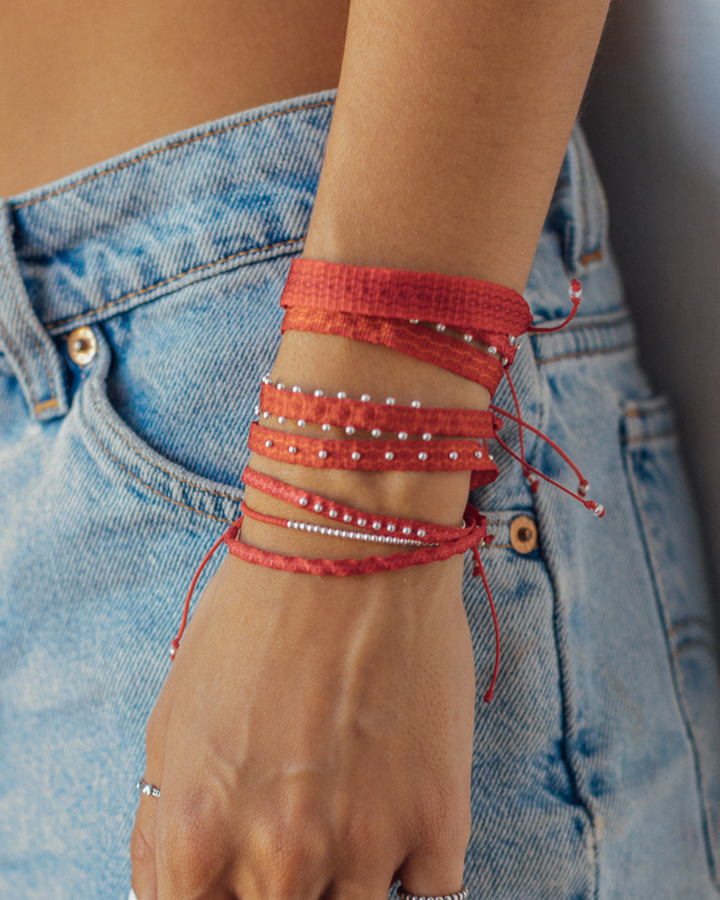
(661, 605)
(561, 654)
(18, 306)
(578, 353)
(91, 312)
(190, 140)
(669, 434)
(136, 452)
(21, 362)
(144, 483)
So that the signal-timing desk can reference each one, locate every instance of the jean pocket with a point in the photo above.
(671, 540)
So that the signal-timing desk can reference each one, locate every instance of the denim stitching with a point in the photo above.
(145, 484)
(190, 140)
(664, 619)
(578, 353)
(59, 322)
(16, 298)
(155, 465)
(21, 361)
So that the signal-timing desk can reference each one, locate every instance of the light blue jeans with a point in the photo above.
(597, 765)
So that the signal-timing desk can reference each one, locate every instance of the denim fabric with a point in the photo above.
(597, 765)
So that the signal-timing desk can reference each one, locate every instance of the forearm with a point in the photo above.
(450, 123)
(449, 128)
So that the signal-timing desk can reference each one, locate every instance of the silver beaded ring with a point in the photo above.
(147, 789)
(462, 894)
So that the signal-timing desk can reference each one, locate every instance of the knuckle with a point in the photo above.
(367, 836)
(189, 846)
(444, 822)
(289, 852)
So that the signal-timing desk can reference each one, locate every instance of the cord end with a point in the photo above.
(488, 695)
(174, 644)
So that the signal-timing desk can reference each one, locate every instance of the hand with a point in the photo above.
(313, 737)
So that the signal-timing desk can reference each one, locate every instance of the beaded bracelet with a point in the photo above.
(410, 312)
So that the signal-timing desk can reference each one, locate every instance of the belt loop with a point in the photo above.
(585, 207)
(30, 350)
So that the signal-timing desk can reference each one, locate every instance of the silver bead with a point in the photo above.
(281, 420)
(390, 401)
(326, 427)
(377, 525)
(420, 532)
(365, 397)
(453, 454)
(355, 455)
(402, 435)
(439, 327)
(280, 386)
(349, 429)
(407, 530)
(427, 436)
(492, 350)
(317, 393)
(257, 410)
(318, 507)
(467, 338)
(376, 432)
(268, 443)
(490, 456)
(599, 510)
(422, 456)
(341, 395)
(303, 501)
(512, 340)
(416, 404)
(478, 454)
(266, 378)
(297, 389)
(301, 423)
(266, 414)
(336, 532)
(322, 454)
(362, 522)
(316, 528)
(413, 321)
(347, 518)
(504, 361)
(391, 527)
(333, 513)
(292, 449)
(389, 455)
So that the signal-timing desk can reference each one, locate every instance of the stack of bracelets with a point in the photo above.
(418, 314)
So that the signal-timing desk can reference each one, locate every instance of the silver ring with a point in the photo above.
(147, 789)
(462, 894)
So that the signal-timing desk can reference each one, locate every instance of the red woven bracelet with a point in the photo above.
(364, 415)
(436, 348)
(468, 304)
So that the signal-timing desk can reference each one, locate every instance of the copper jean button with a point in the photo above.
(523, 534)
(82, 345)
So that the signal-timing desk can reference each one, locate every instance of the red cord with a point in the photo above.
(575, 295)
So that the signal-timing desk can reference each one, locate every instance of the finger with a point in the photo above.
(142, 848)
(360, 888)
(434, 871)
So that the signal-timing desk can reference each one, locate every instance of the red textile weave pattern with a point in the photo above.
(373, 456)
(366, 415)
(432, 347)
(462, 302)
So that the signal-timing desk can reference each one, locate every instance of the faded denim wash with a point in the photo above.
(597, 765)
